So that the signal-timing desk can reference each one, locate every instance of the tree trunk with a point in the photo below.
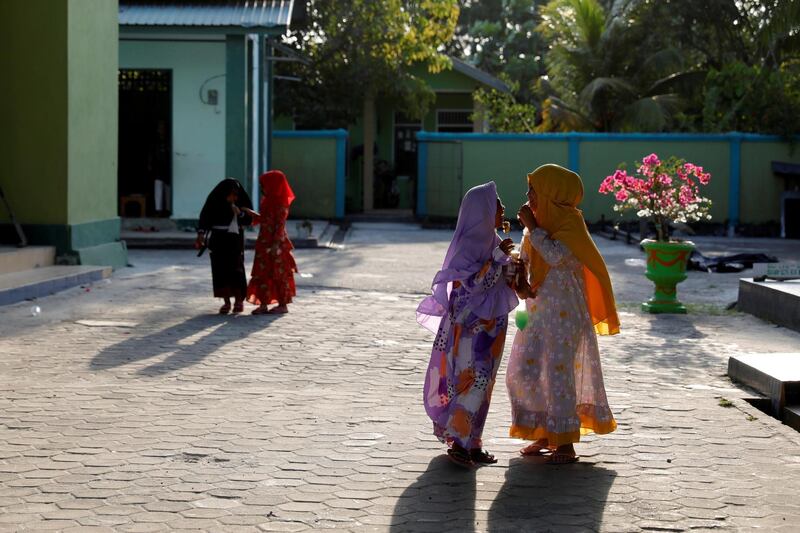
(368, 119)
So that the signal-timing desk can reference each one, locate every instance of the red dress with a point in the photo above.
(272, 278)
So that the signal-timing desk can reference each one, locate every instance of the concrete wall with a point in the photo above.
(33, 136)
(58, 141)
(93, 94)
(314, 164)
(198, 129)
(507, 158)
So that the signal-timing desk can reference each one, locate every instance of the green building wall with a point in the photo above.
(58, 143)
(452, 163)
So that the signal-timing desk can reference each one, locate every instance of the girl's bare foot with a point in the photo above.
(563, 455)
(280, 310)
(540, 447)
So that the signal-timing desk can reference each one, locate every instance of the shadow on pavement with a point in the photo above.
(210, 333)
(442, 499)
(541, 497)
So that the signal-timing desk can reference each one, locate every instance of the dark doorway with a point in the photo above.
(405, 160)
(145, 143)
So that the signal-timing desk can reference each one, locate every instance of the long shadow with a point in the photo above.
(441, 499)
(216, 330)
(545, 498)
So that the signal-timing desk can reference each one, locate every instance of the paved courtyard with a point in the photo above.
(130, 406)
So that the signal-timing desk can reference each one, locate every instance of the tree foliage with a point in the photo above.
(360, 48)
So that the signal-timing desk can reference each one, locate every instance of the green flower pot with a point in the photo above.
(666, 267)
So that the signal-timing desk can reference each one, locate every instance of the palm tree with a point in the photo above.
(600, 78)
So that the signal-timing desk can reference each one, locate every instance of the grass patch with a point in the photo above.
(724, 402)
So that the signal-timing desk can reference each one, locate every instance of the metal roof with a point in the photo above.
(478, 75)
(250, 14)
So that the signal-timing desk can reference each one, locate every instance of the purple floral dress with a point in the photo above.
(464, 362)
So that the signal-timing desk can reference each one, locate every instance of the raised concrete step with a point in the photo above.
(40, 282)
(791, 416)
(775, 375)
(13, 259)
(185, 239)
(776, 301)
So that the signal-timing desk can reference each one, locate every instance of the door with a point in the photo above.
(405, 160)
(145, 143)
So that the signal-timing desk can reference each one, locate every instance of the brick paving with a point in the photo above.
(153, 415)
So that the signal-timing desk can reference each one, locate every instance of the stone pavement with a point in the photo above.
(131, 407)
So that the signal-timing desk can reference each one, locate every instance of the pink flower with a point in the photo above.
(704, 178)
(621, 195)
(651, 160)
(607, 186)
(665, 179)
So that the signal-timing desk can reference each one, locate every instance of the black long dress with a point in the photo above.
(226, 249)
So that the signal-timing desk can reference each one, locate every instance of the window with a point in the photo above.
(454, 120)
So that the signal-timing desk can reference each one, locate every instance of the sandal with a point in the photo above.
(483, 457)
(561, 458)
(460, 456)
(534, 450)
(225, 309)
(238, 307)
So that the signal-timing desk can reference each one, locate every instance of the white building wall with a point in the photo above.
(198, 129)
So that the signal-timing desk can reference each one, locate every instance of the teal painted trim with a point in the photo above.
(735, 183)
(94, 233)
(574, 154)
(270, 101)
(341, 185)
(286, 134)
(236, 147)
(422, 177)
(66, 238)
(425, 136)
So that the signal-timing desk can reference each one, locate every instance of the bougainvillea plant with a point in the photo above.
(661, 191)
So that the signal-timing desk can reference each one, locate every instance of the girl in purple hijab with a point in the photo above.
(468, 310)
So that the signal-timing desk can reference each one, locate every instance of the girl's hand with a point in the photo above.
(526, 217)
(236, 210)
(249, 211)
(506, 246)
(199, 241)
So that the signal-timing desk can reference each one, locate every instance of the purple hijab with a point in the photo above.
(473, 242)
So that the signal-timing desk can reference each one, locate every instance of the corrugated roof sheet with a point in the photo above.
(245, 13)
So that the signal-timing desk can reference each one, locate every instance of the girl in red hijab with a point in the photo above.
(272, 278)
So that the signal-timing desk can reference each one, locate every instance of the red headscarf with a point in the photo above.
(276, 189)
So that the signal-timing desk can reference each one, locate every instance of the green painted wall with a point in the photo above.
(761, 190)
(93, 95)
(509, 161)
(198, 129)
(447, 80)
(58, 142)
(310, 165)
(600, 158)
(34, 132)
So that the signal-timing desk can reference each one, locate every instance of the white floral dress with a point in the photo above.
(554, 377)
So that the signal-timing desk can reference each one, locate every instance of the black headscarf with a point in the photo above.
(217, 210)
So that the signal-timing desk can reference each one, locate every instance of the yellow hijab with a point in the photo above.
(559, 191)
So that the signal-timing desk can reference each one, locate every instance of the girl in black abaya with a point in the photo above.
(225, 215)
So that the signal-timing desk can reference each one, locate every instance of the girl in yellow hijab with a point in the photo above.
(554, 377)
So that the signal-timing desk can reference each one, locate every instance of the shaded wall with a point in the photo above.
(743, 188)
(314, 163)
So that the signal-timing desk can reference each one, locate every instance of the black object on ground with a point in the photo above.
(23, 241)
(727, 263)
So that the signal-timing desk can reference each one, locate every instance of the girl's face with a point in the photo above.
(533, 200)
(500, 214)
(233, 197)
